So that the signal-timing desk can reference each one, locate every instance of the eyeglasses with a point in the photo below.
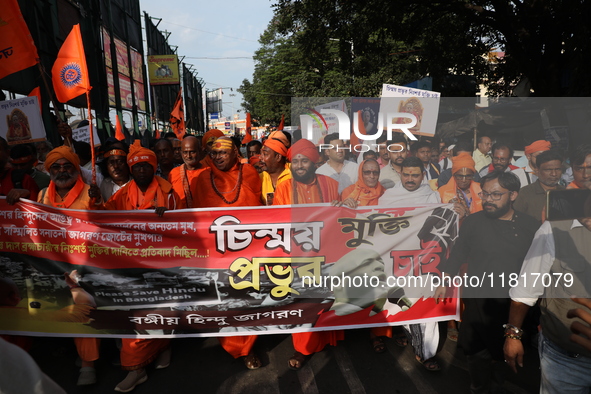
(376, 173)
(59, 167)
(464, 177)
(495, 196)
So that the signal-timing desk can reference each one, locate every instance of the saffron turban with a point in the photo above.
(538, 146)
(277, 142)
(138, 154)
(62, 152)
(212, 135)
(304, 147)
(254, 160)
(463, 160)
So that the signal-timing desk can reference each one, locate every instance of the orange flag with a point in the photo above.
(17, 49)
(248, 136)
(177, 116)
(282, 124)
(69, 72)
(119, 130)
(37, 93)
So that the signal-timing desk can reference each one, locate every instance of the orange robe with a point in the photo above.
(243, 193)
(572, 185)
(122, 201)
(81, 201)
(136, 353)
(88, 348)
(206, 162)
(176, 180)
(321, 189)
(248, 195)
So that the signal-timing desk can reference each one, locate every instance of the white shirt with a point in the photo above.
(108, 188)
(539, 260)
(399, 196)
(347, 176)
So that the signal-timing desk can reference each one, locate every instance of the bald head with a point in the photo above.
(190, 151)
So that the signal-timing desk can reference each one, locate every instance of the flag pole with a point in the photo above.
(51, 96)
(92, 158)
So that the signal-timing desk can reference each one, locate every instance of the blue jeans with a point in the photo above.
(562, 372)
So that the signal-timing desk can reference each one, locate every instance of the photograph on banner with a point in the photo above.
(137, 66)
(315, 124)
(163, 70)
(140, 96)
(83, 134)
(423, 104)
(225, 271)
(22, 121)
(125, 90)
(369, 107)
(122, 59)
(111, 87)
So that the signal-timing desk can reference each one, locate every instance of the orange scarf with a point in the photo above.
(152, 198)
(71, 196)
(450, 190)
(362, 193)
(186, 186)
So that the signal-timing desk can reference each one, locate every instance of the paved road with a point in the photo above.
(199, 365)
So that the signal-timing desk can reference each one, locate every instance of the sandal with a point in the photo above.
(401, 340)
(296, 362)
(452, 334)
(378, 345)
(252, 361)
(430, 364)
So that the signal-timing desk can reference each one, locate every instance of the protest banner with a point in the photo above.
(213, 272)
(423, 104)
(83, 134)
(23, 122)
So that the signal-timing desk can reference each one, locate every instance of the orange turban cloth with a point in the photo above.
(254, 160)
(62, 152)
(277, 142)
(304, 147)
(538, 146)
(212, 135)
(463, 160)
(139, 154)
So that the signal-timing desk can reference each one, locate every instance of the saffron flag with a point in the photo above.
(16, 44)
(69, 72)
(177, 116)
(248, 136)
(37, 93)
(282, 124)
(119, 130)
